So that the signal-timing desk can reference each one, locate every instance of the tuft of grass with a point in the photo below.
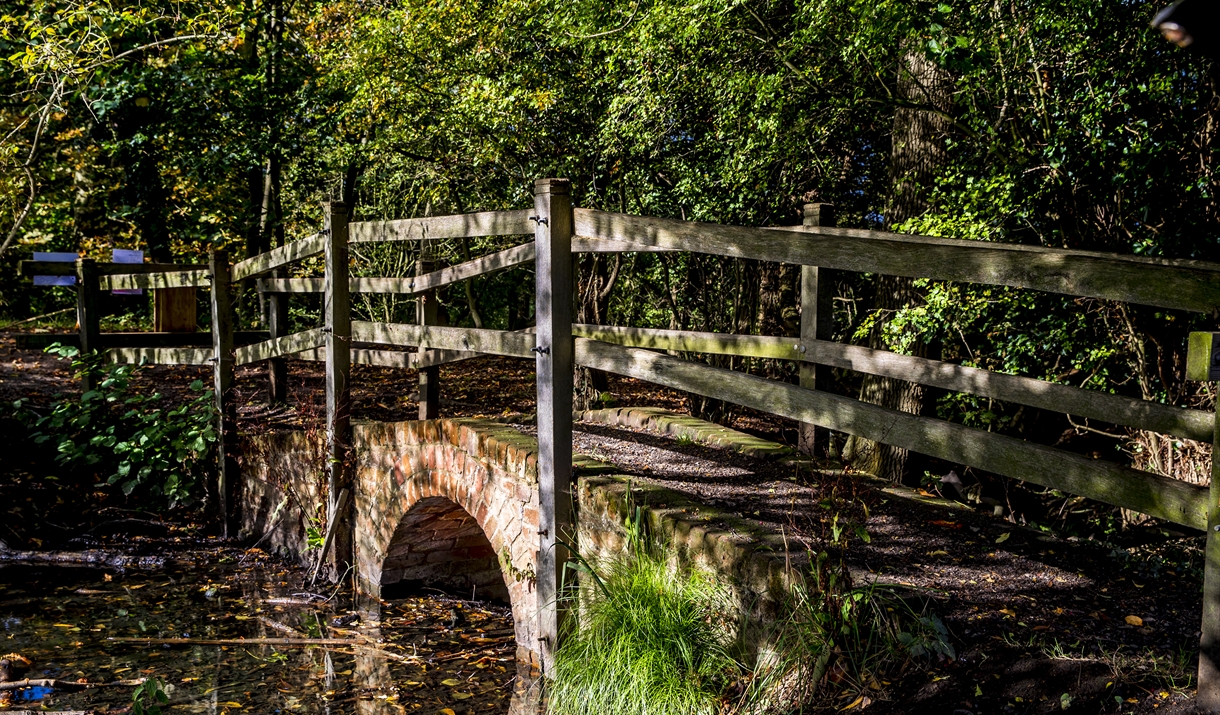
(650, 641)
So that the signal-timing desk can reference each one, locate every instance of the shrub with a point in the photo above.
(144, 446)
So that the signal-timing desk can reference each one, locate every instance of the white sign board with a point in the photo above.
(55, 258)
(122, 255)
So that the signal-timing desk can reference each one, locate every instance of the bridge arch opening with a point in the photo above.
(437, 544)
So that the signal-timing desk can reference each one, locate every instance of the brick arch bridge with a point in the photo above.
(454, 503)
(451, 503)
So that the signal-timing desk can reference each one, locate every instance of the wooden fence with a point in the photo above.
(558, 347)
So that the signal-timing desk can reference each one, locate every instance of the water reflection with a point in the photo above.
(399, 656)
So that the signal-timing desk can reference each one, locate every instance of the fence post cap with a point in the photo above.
(552, 186)
(1203, 357)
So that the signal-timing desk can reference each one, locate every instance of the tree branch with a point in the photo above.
(149, 46)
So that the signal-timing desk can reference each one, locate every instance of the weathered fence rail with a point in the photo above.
(558, 346)
(1051, 396)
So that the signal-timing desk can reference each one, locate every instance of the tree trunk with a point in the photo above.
(917, 156)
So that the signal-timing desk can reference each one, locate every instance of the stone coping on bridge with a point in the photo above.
(663, 421)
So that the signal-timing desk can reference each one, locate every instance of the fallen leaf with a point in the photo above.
(946, 524)
(938, 553)
(1008, 612)
(447, 711)
(462, 696)
(1134, 621)
(451, 682)
(1003, 537)
(862, 702)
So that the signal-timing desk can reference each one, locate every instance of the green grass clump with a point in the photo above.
(648, 642)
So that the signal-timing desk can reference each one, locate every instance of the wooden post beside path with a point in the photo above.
(817, 323)
(555, 362)
(225, 488)
(1203, 364)
(277, 326)
(88, 314)
(338, 328)
(426, 314)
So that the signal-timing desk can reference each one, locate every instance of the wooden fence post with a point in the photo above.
(277, 326)
(88, 314)
(338, 328)
(1208, 699)
(555, 363)
(817, 323)
(225, 489)
(1203, 365)
(426, 314)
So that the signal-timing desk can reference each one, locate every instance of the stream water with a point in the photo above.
(426, 654)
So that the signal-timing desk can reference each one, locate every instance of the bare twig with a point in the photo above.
(149, 46)
(64, 684)
(290, 642)
(39, 317)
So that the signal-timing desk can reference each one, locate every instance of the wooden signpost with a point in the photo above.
(88, 313)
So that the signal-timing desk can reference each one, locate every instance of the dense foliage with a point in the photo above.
(1070, 124)
(128, 439)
